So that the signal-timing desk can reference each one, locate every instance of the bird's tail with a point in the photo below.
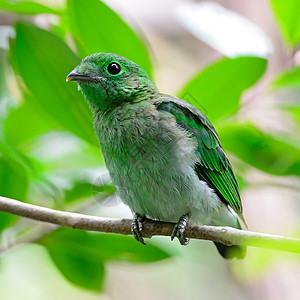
(234, 251)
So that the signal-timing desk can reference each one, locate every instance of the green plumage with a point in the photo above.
(163, 154)
(213, 165)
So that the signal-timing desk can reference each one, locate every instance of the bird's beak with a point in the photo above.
(78, 77)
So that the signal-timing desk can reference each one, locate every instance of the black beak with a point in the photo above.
(79, 77)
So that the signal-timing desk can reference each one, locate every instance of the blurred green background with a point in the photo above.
(237, 61)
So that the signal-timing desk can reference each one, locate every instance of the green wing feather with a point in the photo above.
(213, 165)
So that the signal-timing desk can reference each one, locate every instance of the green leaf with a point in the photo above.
(289, 78)
(12, 154)
(27, 7)
(77, 266)
(102, 192)
(43, 60)
(6, 220)
(275, 155)
(97, 28)
(70, 262)
(36, 122)
(81, 255)
(82, 190)
(13, 184)
(286, 14)
(293, 110)
(217, 89)
(13, 179)
(3, 88)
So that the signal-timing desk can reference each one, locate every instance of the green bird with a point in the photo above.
(163, 155)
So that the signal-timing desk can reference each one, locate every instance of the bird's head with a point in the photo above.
(108, 80)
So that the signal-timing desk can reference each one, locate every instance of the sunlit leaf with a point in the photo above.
(97, 28)
(287, 16)
(217, 89)
(43, 60)
(80, 255)
(275, 155)
(27, 7)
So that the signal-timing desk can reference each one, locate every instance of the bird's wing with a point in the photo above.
(213, 166)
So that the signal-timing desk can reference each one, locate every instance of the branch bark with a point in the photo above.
(225, 235)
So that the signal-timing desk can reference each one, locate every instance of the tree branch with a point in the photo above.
(225, 235)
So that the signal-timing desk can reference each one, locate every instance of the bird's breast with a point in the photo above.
(150, 160)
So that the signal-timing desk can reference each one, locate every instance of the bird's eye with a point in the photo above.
(114, 68)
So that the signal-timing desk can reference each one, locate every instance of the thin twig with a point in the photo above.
(225, 235)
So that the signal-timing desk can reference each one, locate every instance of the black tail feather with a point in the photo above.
(230, 252)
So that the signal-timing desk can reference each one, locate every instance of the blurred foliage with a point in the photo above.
(289, 78)
(37, 52)
(2, 75)
(27, 7)
(110, 33)
(36, 122)
(287, 17)
(261, 150)
(47, 143)
(78, 253)
(222, 83)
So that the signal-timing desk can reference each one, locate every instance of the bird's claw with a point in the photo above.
(179, 230)
(137, 228)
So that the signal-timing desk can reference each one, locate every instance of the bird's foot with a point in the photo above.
(179, 230)
(137, 228)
